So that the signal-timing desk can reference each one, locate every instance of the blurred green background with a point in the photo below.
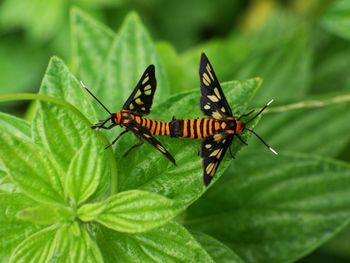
(299, 46)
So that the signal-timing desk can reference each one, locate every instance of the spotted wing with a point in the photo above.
(213, 150)
(213, 102)
(140, 100)
(145, 135)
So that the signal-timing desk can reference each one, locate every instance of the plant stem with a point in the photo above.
(309, 104)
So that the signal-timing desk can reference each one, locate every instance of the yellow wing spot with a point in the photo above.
(219, 154)
(214, 170)
(161, 148)
(209, 168)
(138, 94)
(148, 87)
(223, 109)
(207, 107)
(131, 106)
(206, 77)
(218, 137)
(143, 108)
(138, 101)
(224, 140)
(205, 82)
(213, 98)
(147, 135)
(208, 146)
(214, 153)
(216, 115)
(209, 71)
(145, 80)
(217, 93)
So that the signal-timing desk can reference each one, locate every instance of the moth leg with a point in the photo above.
(133, 147)
(116, 139)
(240, 138)
(231, 153)
(101, 124)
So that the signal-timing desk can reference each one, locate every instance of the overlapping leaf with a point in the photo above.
(275, 209)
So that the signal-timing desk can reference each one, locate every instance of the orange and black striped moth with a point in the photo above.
(131, 116)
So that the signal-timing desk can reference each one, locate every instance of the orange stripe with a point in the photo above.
(217, 125)
(192, 128)
(205, 127)
(199, 133)
(210, 127)
(163, 128)
(185, 131)
(138, 119)
(167, 129)
(158, 127)
(143, 122)
(148, 123)
(153, 126)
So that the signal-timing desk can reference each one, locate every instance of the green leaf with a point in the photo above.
(64, 133)
(46, 214)
(169, 243)
(39, 247)
(147, 169)
(19, 128)
(219, 252)
(275, 209)
(337, 19)
(298, 127)
(13, 230)
(131, 211)
(32, 168)
(83, 176)
(73, 244)
(91, 42)
(132, 51)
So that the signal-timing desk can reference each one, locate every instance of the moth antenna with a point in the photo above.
(83, 85)
(261, 139)
(260, 111)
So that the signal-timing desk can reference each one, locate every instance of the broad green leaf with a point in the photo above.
(85, 170)
(64, 133)
(275, 209)
(147, 169)
(177, 71)
(131, 211)
(46, 214)
(32, 168)
(17, 127)
(13, 230)
(169, 243)
(219, 252)
(337, 18)
(39, 247)
(91, 42)
(131, 52)
(73, 244)
(339, 245)
(308, 130)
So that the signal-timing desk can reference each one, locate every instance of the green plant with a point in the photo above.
(64, 198)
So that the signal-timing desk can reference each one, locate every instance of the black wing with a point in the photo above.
(145, 135)
(213, 150)
(213, 102)
(140, 100)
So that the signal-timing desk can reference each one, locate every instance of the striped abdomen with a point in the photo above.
(196, 128)
(155, 127)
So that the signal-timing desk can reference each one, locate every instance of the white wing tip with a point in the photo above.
(272, 150)
(269, 102)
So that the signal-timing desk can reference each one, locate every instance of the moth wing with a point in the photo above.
(145, 135)
(213, 102)
(213, 150)
(141, 99)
